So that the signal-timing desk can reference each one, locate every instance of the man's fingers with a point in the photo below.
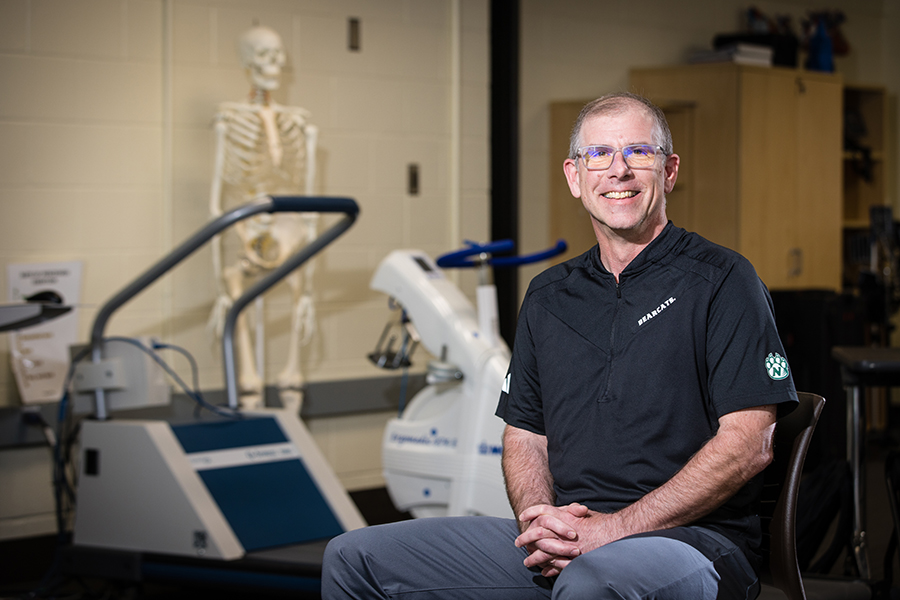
(556, 567)
(557, 548)
(539, 559)
(577, 510)
(549, 565)
(554, 525)
(533, 512)
(537, 532)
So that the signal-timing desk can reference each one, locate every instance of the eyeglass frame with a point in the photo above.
(580, 154)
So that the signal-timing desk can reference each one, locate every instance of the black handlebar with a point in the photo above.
(270, 204)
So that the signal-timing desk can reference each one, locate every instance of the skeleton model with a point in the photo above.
(263, 148)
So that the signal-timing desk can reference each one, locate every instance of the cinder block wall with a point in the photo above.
(106, 139)
(106, 114)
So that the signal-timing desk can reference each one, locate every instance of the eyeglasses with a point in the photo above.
(637, 156)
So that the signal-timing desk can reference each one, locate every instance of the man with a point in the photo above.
(640, 409)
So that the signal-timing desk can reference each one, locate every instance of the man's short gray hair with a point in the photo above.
(618, 102)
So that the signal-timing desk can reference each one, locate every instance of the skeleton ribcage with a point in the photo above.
(249, 169)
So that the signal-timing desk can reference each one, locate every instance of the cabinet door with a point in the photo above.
(767, 180)
(790, 178)
(819, 172)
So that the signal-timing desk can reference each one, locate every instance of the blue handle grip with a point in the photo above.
(515, 261)
(459, 258)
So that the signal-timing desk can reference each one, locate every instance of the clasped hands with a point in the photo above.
(554, 535)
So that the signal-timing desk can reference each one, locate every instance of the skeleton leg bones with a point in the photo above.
(250, 385)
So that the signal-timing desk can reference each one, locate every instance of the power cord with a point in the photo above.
(194, 394)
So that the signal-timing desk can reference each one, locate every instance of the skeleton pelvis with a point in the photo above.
(268, 240)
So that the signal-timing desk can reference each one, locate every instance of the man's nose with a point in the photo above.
(618, 167)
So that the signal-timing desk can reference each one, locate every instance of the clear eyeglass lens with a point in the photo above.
(597, 158)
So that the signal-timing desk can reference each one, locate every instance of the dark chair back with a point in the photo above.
(778, 506)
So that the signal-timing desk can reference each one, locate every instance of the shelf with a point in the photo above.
(856, 224)
(876, 156)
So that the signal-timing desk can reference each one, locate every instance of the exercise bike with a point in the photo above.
(441, 455)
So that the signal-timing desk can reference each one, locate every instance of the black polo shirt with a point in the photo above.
(627, 380)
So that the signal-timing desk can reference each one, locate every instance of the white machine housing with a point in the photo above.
(442, 455)
(142, 487)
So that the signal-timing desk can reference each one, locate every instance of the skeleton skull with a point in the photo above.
(262, 55)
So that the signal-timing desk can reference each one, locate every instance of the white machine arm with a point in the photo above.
(445, 319)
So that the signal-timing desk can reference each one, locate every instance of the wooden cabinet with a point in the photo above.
(762, 164)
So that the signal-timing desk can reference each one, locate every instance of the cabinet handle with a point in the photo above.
(801, 87)
(795, 256)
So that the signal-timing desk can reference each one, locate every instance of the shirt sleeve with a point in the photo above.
(747, 365)
(520, 399)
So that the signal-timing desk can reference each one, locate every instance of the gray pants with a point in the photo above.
(474, 558)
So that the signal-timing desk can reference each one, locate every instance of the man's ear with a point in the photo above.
(570, 167)
(671, 171)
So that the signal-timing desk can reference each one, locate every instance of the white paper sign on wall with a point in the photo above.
(40, 353)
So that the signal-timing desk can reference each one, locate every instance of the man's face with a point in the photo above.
(622, 201)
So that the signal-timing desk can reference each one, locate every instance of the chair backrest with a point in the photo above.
(778, 506)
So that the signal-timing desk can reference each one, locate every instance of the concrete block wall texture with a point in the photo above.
(378, 110)
(106, 111)
(81, 175)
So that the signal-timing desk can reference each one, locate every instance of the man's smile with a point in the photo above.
(619, 195)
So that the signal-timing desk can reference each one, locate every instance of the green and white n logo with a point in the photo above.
(777, 366)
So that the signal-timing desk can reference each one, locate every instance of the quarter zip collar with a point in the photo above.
(660, 250)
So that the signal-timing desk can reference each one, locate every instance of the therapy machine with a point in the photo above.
(441, 456)
(249, 488)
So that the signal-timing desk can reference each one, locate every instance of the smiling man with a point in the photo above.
(639, 411)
